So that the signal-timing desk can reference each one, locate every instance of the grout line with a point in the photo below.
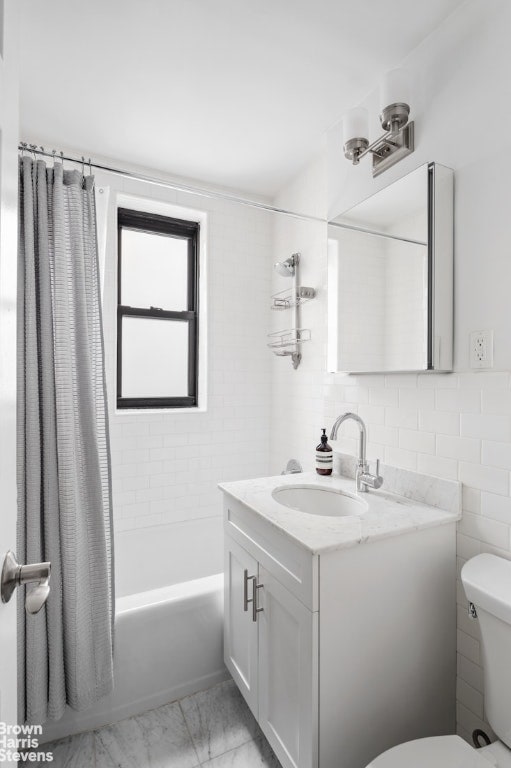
(221, 754)
(192, 742)
(228, 751)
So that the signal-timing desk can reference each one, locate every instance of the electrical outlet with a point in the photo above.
(481, 349)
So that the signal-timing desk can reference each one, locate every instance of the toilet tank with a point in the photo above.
(487, 583)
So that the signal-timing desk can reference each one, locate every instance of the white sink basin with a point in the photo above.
(318, 500)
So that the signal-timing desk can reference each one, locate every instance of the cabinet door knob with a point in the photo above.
(255, 609)
(246, 598)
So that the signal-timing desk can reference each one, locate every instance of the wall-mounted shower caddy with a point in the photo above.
(288, 342)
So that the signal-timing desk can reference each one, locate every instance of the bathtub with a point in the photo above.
(168, 644)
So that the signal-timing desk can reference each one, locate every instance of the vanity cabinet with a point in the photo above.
(240, 635)
(344, 653)
(288, 660)
(270, 642)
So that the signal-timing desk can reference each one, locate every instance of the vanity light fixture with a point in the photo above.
(398, 139)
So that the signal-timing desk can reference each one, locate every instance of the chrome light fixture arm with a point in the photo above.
(398, 139)
(389, 149)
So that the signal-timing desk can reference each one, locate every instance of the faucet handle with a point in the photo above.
(377, 478)
(368, 480)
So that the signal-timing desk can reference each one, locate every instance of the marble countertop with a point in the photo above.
(387, 514)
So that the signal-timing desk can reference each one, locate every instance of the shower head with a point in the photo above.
(287, 268)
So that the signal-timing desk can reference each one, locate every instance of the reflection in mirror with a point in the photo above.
(385, 312)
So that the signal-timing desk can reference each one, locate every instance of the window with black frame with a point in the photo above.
(157, 311)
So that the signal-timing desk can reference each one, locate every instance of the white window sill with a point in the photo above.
(143, 411)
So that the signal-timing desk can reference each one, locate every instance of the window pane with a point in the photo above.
(154, 357)
(154, 270)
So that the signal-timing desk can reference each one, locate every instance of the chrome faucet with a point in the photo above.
(364, 478)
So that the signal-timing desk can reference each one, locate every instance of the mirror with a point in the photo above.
(390, 278)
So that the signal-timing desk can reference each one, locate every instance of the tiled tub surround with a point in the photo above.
(165, 464)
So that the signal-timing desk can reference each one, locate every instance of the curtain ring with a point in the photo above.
(90, 167)
(54, 155)
(33, 148)
(62, 158)
(83, 166)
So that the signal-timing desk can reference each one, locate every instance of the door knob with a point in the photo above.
(14, 575)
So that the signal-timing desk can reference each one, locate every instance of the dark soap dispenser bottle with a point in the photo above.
(324, 456)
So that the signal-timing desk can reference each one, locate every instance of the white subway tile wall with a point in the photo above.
(166, 465)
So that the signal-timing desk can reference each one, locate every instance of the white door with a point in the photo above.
(8, 266)
(240, 631)
(288, 674)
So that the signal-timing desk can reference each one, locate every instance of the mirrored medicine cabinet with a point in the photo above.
(390, 278)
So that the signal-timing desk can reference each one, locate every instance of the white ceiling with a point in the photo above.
(230, 92)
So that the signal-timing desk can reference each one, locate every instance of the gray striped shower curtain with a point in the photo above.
(64, 477)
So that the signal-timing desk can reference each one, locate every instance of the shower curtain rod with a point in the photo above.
(201, 191)
(177, 187)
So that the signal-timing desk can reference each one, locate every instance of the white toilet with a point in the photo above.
(487, 583)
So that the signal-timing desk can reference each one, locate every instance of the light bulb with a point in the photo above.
(355, 124)
(395, 100)
(395, 88)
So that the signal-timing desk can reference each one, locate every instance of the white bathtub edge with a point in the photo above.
(176, 592)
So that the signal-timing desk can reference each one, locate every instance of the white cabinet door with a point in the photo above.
(288, 674)
(240, 631)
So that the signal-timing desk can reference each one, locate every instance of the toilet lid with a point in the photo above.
(438, 751)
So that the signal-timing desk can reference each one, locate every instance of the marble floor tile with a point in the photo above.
(156, 739)
(218, 720)
(252, 754)
(71, 752)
